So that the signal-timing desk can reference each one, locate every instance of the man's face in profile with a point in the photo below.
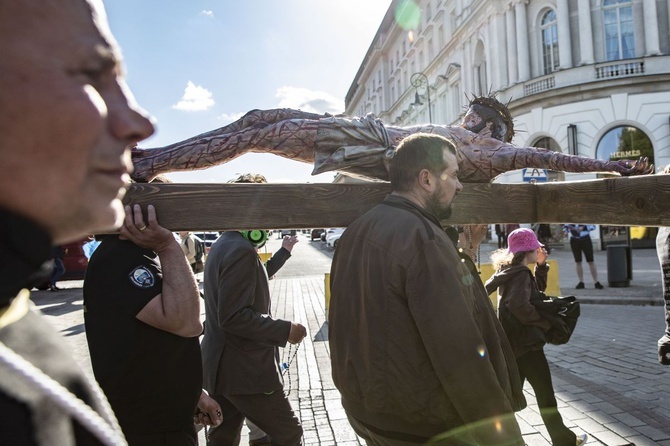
(66, 117)
(447, 187)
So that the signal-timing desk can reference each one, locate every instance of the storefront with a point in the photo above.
(626, 142)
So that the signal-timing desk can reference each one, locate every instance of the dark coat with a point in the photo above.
(239, 349)
(405, 317)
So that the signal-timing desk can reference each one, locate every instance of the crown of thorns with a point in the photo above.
(500, 110)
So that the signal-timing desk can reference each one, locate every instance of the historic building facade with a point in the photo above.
(587, 77)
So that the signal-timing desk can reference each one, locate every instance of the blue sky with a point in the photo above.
(197, 65)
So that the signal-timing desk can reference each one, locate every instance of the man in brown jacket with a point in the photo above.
(416, 349)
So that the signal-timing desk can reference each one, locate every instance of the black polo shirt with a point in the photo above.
(152, 378)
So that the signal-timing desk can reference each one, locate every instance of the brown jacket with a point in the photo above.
(415, 343)
(516, 284)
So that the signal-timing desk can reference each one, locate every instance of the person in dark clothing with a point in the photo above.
(501, 233)
(67, 123)
(663, 252)
(524, 325)
(544, 236)
(59, 267)
(240, 347)
(142, 316)
(406, 312)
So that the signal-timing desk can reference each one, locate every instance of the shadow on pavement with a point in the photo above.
(58, 303)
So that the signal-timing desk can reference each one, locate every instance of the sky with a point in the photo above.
(197, 65)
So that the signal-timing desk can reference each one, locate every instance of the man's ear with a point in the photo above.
(426, 180)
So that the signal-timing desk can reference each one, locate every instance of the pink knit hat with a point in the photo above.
(522, 239)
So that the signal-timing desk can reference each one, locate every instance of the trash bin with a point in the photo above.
(619, 266)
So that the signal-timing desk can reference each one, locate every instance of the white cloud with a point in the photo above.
(230, 117)
(207, 12)
(195, 98)
(309, 100)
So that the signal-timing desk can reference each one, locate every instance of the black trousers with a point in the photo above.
(272, 413)
(534, 367)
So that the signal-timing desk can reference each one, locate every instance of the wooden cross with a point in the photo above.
(625, 201)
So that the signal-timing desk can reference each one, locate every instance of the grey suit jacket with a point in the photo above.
(240, 346)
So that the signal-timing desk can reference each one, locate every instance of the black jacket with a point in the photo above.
(239, 349)
(29, 416)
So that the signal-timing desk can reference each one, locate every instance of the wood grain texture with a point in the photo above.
(631, 201)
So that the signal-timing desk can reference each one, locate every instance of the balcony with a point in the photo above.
(619, 69)
(586, 74)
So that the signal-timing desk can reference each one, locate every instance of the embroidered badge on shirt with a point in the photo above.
(141, 277)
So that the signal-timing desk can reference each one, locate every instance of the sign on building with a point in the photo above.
(530, 174)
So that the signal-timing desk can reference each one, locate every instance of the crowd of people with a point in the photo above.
(405, 375)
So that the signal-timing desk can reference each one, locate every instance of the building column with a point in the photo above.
(585, 33)
(564, 40)
(522, 41)
(512, 62)
(652, 47)
(466, 72)
(499, 45)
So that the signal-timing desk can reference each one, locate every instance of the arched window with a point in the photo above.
(551, 144)
(624, 142)
(479, 70)
(549, 31)
(618, 20)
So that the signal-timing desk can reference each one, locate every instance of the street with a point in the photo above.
(607, 378)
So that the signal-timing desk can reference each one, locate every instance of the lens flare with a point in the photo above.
(410, 36)
(407, 14)
(482, 351)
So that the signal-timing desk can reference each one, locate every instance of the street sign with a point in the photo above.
(530, 174)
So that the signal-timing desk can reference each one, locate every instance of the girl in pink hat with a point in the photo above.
(524, 326)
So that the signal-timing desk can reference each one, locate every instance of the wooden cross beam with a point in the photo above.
(626, 201)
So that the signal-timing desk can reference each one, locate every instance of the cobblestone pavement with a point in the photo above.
(607, 379)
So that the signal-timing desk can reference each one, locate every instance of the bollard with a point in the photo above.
(619, 267)
(326, 288)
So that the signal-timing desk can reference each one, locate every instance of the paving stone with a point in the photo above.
(621, 429)
(609, 438)
(641, 440)
(652, 433)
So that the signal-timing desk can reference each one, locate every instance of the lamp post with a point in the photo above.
(419, 80)
(573, 149)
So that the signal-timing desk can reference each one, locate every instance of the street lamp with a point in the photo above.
(573, 148)
(419, 80)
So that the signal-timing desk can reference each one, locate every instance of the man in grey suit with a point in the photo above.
(240, 353)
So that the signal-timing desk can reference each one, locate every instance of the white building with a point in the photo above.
(586, 77)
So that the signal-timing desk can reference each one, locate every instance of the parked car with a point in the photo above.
(285, 232)
(330, 233)
(74, 261)
(316, 234)
(332, 240)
